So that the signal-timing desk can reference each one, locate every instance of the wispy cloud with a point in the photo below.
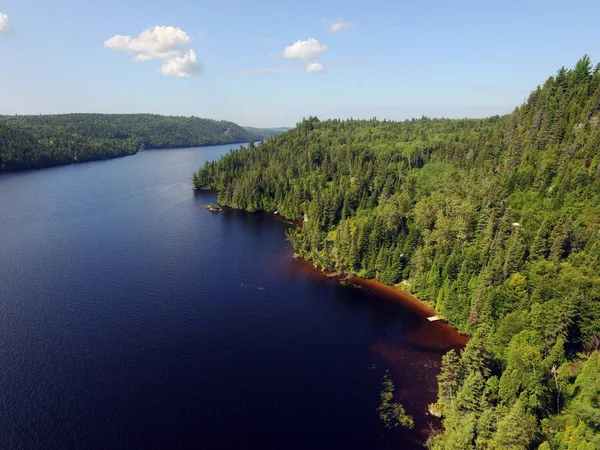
(265, 70)
(5, 28)
(269, 41)
(334, 64)
(336, 26)
(167, 43)
(307, 51)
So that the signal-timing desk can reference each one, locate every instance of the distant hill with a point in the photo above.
(28, 142)
(266, 133)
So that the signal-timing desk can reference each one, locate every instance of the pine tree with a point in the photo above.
(588, 381)
(470, 395)
(516, 430)
(562, 77)
(477, 356)
(583, 70)
(538, 246)
(515, 254)
(559, 241)
(448, 377)
(195, 180)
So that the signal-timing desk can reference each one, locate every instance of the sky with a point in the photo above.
(270, 63)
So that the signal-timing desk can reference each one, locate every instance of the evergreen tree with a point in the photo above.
(583, 70)
(448, 377)
(470, 395)
(516, 430)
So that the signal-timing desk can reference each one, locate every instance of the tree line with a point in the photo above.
(495, 222)
(28, 142)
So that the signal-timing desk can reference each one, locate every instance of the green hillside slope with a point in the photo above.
(40, 141)
(266, 133)
(495, 222)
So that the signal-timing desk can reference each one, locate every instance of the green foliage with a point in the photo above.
(40, 141)
(476, 357)
(583, 70)
(460, 433)
(266, 133)
(516, 430)
(391, 412)
(448, 377)
(588, 381)
(494, 221)
(525, 375)
(471, 394)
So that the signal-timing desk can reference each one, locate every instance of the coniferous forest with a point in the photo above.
(495, 222)
(28, 142)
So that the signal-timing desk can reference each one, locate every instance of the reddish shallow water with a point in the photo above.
(413, 356)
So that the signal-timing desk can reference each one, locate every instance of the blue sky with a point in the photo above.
(394, 59)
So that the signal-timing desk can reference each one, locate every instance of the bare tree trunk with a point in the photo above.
(558, 387)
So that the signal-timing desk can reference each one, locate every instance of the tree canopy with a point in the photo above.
(495, 222)
(39, 141)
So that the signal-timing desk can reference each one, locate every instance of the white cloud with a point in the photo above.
(182, 66)
(340, 25)
(306, 51)
(5, 28)
(170, 44)
(269, 41)
(153, 43)
(315, 67)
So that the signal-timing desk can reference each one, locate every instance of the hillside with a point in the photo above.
(40, 141)
(266, 133)
(495, 222)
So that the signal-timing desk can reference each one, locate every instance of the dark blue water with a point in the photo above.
(131, 317)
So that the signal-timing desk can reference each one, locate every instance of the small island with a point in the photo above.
(213, 207)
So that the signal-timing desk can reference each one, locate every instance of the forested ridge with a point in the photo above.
(495, 222)
(46, 140)
(265, 133)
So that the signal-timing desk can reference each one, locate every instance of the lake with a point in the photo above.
(131, 317)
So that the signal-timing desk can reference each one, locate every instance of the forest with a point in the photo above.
(266, 133)
(494, 222)
(28, 142)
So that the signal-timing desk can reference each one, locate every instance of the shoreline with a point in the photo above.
(397, 296)
(418, 352)
(76, 162)
(415, 305)
(430, 339)
(390, 293)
